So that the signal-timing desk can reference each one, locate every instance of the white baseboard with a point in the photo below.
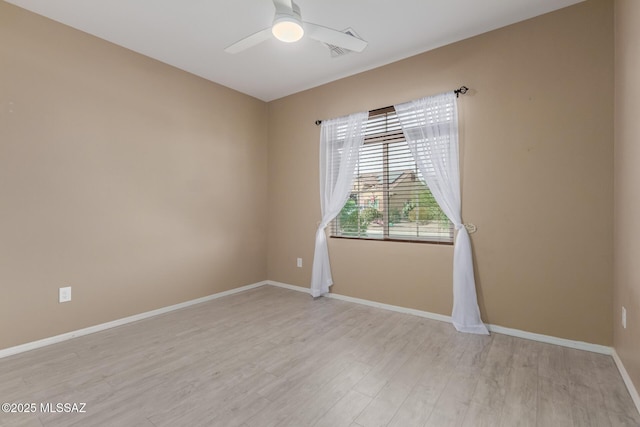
(290, 287)
(119, 322)
(580, 345)
(633, 391)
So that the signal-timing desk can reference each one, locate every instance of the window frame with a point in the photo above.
(385, 138)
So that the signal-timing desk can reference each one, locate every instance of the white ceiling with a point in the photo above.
(191, 34)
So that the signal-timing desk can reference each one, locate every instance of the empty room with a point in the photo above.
(319, 213)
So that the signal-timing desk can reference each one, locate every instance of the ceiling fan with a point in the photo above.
(289, 27)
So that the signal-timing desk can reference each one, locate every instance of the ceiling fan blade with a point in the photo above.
(334, 37)
(250, 41)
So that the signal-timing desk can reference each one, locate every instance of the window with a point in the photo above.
(390, 199)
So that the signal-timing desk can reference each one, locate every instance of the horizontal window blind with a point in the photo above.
(390, 199)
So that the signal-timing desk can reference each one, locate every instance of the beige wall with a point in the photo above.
(139, 185)
(113, 170)
(537, 166)
(627, 186)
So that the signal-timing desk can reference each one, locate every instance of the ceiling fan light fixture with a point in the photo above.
(287, 26)
(287, 29)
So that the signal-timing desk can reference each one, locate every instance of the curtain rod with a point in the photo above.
(460, 90)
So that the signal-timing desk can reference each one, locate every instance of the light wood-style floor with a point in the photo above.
(275, 357)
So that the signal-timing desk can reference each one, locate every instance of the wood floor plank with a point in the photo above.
(345, 411)
(624, 420)
(275, 357)
(521, 398)
(448, 413)
(590, 416)
(500, 356)
(20, 420)
(461, 386)
(384, 406)
(490, 392)
(616, 396)
(433, 381)
(416, 409)
(328, 395)
(481, 416)
(387, 367)
(526, 354)
(554, 404)
(552, 364)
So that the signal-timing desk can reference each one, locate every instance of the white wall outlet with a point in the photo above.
(64, 294)
(299, 262)
(624, 317)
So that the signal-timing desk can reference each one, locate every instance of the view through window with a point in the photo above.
(390, 199)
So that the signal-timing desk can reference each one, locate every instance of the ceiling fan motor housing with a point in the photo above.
(287, 23)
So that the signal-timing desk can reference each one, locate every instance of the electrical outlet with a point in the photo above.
(624, 317)
(64, 294)
(299, 262)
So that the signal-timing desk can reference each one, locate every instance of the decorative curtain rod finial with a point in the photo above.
(462, 90)
(318, 122)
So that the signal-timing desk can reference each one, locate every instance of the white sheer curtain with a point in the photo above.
(340, 142)
(430, 126)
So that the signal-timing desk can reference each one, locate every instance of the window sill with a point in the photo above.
(372, 239)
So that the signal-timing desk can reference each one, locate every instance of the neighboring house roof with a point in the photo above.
(400, 177)
(373, 181)
(369, 180)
